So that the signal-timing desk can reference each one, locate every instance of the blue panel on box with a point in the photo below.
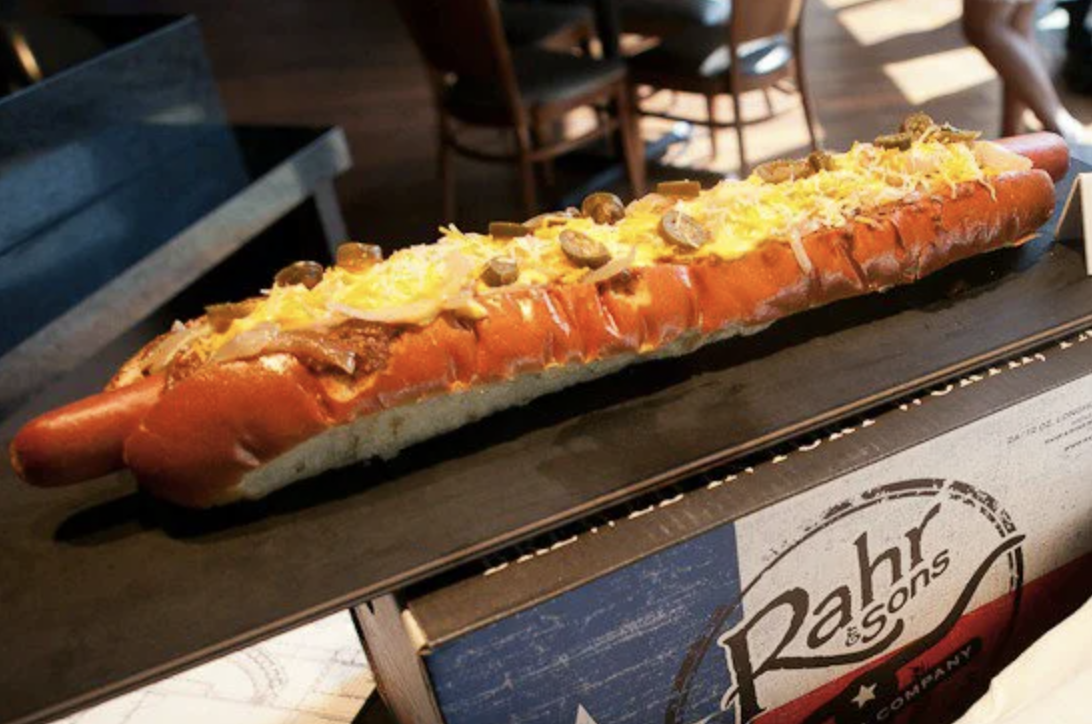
(545, 664)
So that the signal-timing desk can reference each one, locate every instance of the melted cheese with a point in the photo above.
(415, 284)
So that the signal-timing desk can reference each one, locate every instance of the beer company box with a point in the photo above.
(882, 571)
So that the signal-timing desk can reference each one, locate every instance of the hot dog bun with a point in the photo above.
(241, 428)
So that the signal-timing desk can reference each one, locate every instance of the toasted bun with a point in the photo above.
(205, 434)
(244, 429)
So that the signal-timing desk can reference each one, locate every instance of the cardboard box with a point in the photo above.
(879, 572)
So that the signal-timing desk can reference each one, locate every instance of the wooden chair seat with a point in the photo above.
(757, 49)
(479, 78)
(527, 24)
(665, 17)
(544, 78)
(703, 53)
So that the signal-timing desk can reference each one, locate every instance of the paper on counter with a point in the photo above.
(1051, 682)
(313, 675)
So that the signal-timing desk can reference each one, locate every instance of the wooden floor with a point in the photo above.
(349, 62)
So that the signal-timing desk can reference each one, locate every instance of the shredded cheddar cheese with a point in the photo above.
(416, 284)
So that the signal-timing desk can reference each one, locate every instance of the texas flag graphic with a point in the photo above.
(890, 594)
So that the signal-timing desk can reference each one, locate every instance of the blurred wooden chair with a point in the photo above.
(662, 18)
(549, 25)
(478, 80)
(759, 48)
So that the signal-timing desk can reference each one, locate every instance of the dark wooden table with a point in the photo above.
(103, 590)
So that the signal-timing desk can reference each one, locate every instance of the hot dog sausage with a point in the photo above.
(1047, 151)
(85, 439)
(567, 324)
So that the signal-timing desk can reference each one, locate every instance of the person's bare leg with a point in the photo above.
(1022, 21)
(1012, 112)
(988, 26)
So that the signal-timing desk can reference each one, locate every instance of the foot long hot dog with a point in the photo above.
(333, 366)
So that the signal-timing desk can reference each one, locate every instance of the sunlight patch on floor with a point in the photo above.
(941, 74)
(839, 4)
(882, 20)
(783, 135)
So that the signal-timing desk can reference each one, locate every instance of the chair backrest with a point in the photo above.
(756, 19)
(464, 38)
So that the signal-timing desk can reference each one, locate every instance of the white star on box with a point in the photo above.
(583, 717)
(864, 695)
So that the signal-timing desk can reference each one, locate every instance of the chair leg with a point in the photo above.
(744, 170)
(542, 135)
(526, 170)
(633, 148)
(769, 102)
(805, 98)
(786, 86)
(586, 41)
(711, 105)
(602, 118)
(447, 175)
